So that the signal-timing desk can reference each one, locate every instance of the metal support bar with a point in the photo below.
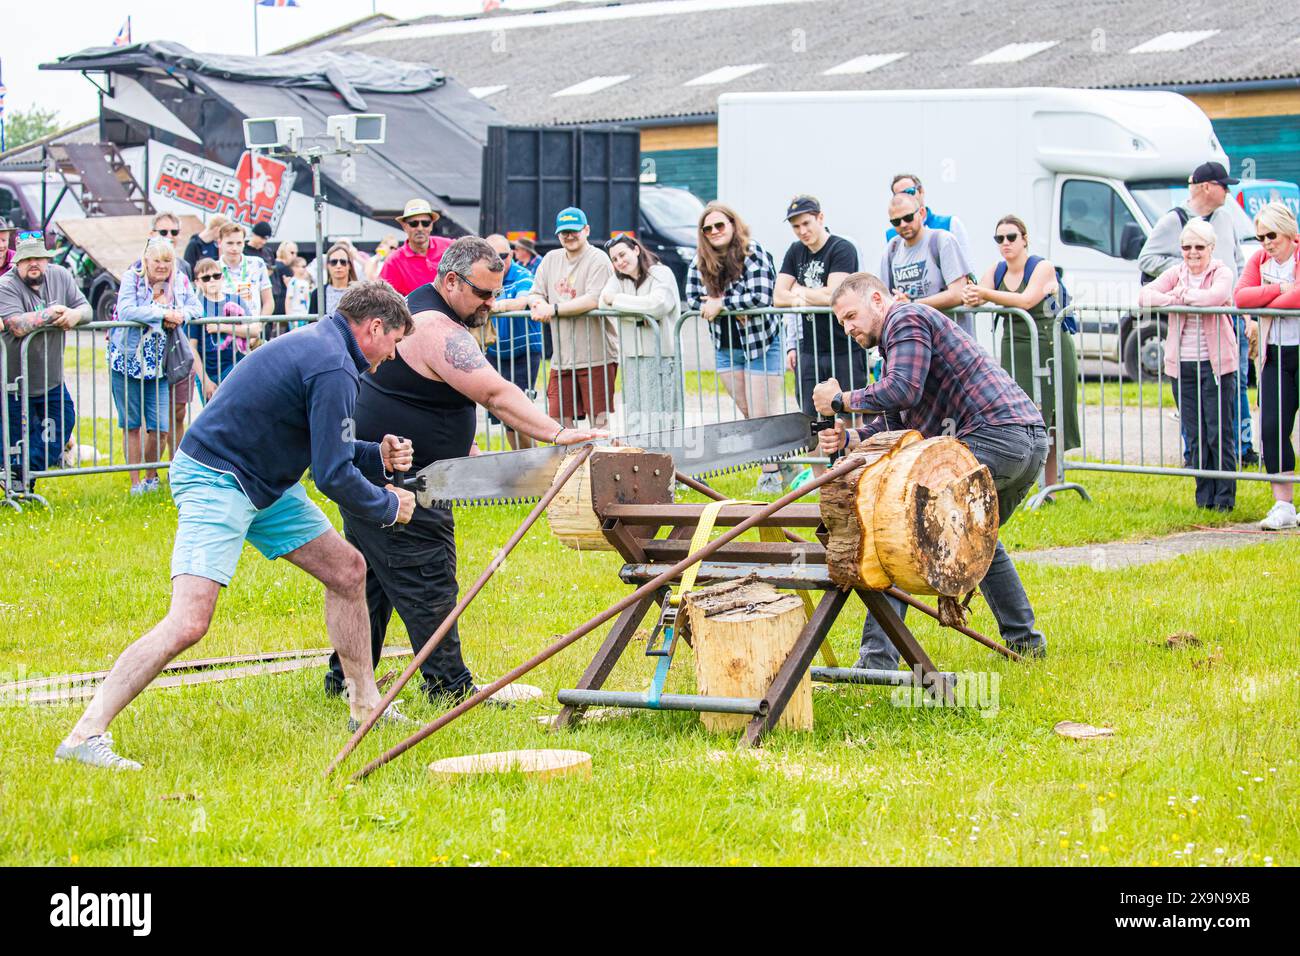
(692, 702)
(859, 675)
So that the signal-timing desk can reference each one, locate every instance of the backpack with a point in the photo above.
(1055, 303)
(1183, 216)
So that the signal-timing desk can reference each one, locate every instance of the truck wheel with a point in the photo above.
(1144, 351)
(105, 306)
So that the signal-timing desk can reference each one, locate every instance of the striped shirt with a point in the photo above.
(938, 380)
(753, 290)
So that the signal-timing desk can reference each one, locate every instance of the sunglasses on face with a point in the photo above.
(910, 190)
(210, 277)
(36, 234)
(709, 228)
(420, 223)
(337, 262)
(1197, 247)
(999, 238)
(484, 294)
(901, 219)
(167, 232)
(504, 256)
(1267, 237)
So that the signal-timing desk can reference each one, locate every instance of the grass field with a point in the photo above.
(1202, 768)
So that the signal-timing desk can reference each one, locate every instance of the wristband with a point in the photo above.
(837, 404)
(556, 439)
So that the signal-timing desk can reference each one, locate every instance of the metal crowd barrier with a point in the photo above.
(1138, 423)
(11, 449)
(77, 433)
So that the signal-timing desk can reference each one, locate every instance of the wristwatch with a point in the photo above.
(837, 403)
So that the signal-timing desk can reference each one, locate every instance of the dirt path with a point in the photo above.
(1112, 555)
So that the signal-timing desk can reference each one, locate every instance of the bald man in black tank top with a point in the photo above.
(428, 394)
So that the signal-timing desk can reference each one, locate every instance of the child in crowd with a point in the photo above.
(217, 345)
(298, 290)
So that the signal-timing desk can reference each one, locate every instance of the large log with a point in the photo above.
(918, 514)
(741, 633)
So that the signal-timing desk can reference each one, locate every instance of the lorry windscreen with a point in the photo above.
(1157, 196)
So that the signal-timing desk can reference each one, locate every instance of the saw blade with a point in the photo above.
(701, 451)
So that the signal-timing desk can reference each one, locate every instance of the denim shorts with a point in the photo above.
(771, 362)
(141, 402)
(216, 518)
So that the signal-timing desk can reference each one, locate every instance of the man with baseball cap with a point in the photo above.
(1208, 191)
(33, 294)
(584, 365)
(415, 263)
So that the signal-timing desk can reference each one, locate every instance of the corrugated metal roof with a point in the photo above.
(801, 41)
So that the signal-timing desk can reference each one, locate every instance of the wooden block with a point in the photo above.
(535, 764)
(742, 632)
(571, 516)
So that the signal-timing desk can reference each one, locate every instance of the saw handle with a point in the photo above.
(416, 484)
(820, 426)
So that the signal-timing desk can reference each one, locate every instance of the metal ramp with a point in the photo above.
(99, 178)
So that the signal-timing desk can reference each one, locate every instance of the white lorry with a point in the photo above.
(1089, 171)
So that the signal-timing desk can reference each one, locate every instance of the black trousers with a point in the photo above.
(1207, 410)
(412, 571)
(1279, 397)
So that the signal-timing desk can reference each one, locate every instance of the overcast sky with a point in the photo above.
(34, 33)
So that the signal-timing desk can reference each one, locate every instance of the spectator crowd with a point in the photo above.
(196, 312)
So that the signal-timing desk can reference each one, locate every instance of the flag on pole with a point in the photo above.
(277, 3)
(2, 112)
(123, 37)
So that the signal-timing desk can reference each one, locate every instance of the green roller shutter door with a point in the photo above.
(1270, 143)
(693, 169)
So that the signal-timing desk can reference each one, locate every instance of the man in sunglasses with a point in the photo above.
(924, 265)
(910, 184)
(428, 394)
(517, 351)
(415, 262)
(37, 294)
(167, 226)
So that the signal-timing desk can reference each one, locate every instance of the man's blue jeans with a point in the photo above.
(1243, 366)
(1014, 454)
(50, 419)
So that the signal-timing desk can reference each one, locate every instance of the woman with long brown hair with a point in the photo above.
(731, 272)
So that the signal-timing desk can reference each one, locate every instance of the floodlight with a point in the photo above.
(357, 127)
(269, 132)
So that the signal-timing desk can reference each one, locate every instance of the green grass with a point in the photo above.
(873, 783)
(1147, 394)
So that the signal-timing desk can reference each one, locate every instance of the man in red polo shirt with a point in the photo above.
(416, 262)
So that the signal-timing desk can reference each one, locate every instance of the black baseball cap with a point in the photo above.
(1212, 173)
(802, 204)
(262, 229)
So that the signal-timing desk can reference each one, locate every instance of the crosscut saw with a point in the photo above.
(702, 451)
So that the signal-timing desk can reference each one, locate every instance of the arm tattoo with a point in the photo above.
(463, 352)
(19, 325)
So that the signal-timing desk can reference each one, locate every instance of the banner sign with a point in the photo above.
(257, 190)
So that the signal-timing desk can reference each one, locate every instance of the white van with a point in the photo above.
(1089, 171)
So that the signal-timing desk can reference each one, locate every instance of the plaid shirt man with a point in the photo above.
(753, 290)
(938, 380)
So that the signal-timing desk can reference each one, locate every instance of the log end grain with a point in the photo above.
(534, 764)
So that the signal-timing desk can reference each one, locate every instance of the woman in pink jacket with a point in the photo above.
(1271, 280)
(1201, 358)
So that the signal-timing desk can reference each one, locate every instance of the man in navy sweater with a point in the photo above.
(237, 477)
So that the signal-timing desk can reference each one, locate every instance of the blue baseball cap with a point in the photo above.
(570, 220)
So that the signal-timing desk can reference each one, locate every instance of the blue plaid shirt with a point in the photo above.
(938, 380)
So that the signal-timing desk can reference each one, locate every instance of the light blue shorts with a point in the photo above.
(141, 402)
(216, 518)
(771, 362)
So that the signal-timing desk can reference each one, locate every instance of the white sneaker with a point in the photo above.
(96, 751)
(1279, 517)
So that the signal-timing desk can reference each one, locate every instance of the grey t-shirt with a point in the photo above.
(926, 268)
(45, 354)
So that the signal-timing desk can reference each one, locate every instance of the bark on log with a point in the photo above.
(919, 514)
(741, 634)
